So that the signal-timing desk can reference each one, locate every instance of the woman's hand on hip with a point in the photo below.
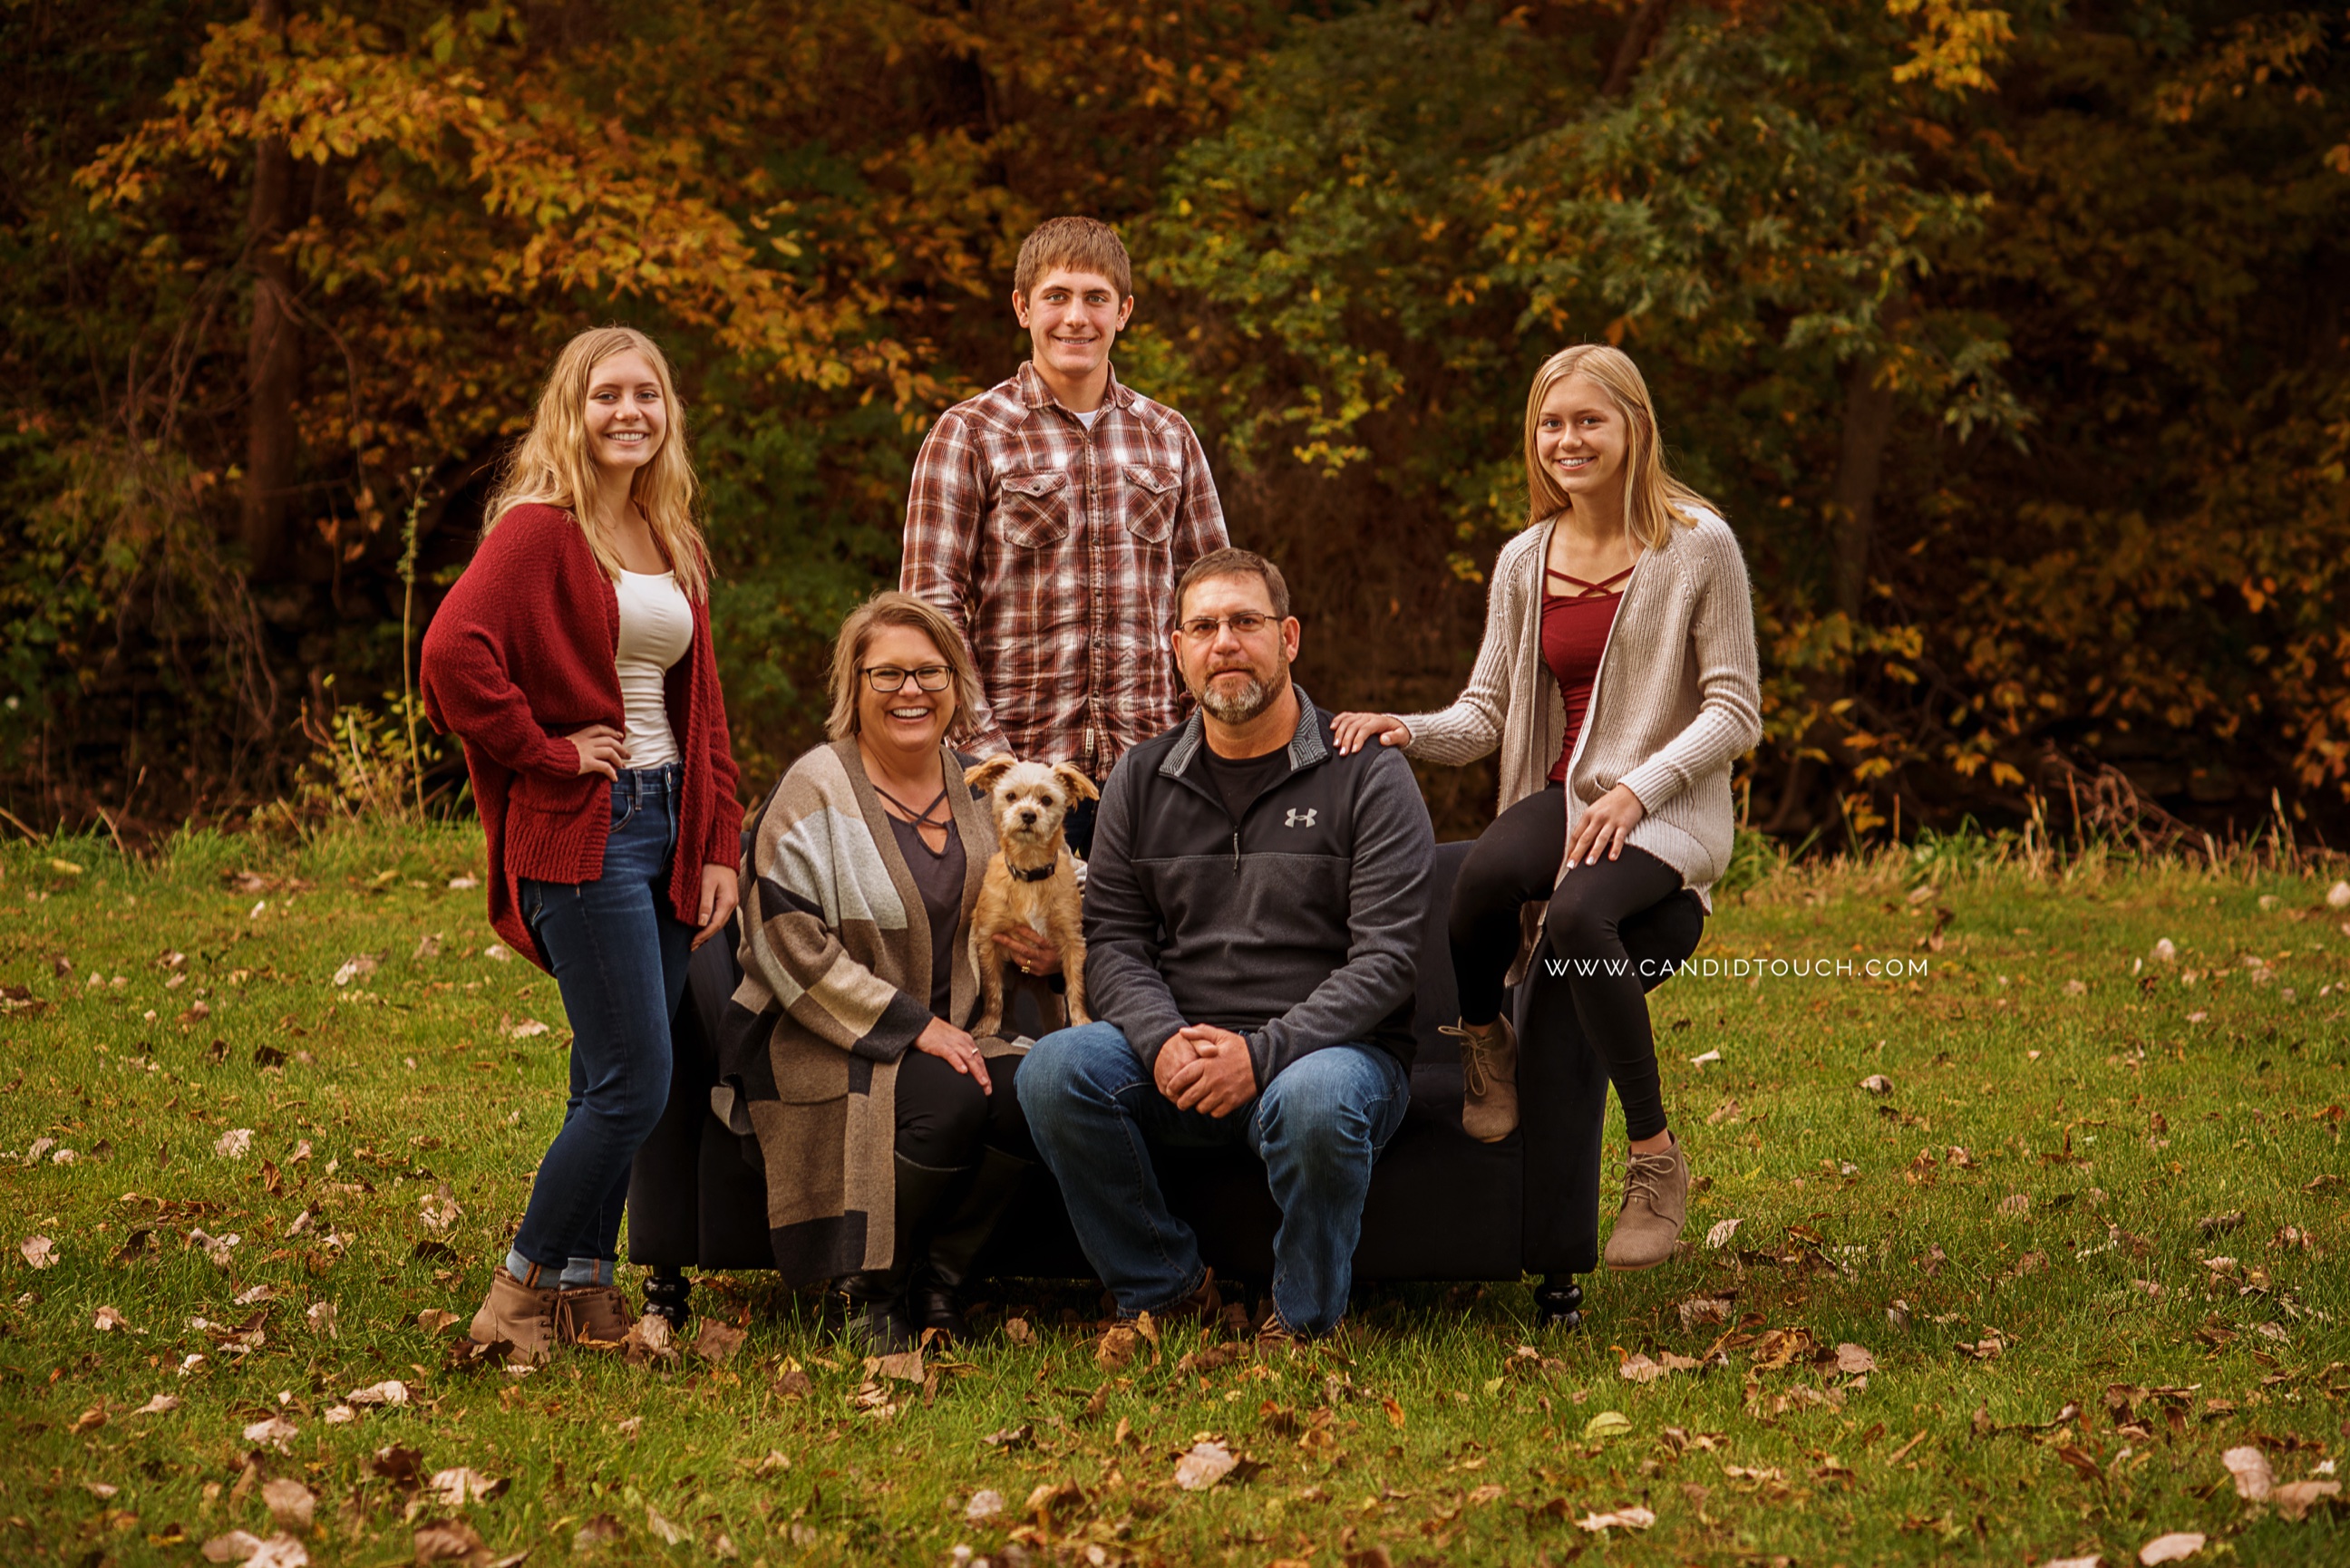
(1351, 729)
(601, 749)
(719, 896)
(1031, 952)
(952, 1045)
(1604, 826)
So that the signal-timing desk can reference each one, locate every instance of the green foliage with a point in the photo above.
(2088, 264)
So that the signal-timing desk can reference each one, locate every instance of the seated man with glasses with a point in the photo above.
(1251, 919)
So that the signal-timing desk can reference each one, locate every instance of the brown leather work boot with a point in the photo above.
(1656, 1205)
(597, 1316)
(522, 1316)
(1489, 1079)
(1206, 1307)
(1273, 1333)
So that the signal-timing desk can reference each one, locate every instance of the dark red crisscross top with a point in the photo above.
(1575, 621)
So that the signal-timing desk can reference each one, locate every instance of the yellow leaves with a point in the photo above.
(1958, 45)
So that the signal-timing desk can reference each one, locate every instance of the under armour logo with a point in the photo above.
(1299, 818)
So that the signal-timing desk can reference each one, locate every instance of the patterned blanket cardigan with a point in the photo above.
(835, 985)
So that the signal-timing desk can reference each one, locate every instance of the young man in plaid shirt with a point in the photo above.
(1050, 517)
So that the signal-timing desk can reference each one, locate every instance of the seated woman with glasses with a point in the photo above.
(892, 1139)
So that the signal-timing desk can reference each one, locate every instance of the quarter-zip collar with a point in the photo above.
(1305, 748)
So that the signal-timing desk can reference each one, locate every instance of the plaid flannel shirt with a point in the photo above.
(1055, 550)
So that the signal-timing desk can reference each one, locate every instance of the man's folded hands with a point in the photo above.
(1204, 1068)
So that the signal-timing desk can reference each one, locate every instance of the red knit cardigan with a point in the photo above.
(520, 654)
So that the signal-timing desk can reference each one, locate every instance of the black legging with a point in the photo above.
(1516, 861)
(943, 1120)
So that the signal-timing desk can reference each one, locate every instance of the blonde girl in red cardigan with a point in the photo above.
(573, 660)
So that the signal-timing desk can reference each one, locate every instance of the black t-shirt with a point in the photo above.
(1240, 780)
(938, 874)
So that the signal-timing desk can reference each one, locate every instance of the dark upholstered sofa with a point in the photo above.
(1441, 1205)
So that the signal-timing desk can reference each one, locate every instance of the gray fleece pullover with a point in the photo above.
(1296, 925)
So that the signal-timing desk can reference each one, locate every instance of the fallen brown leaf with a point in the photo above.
(716, 1341)
(2083, 1465)
(1051, 1497)
(1116, 1348)
(402, 1467)
(2295, 1499)
(449, 1540)
(2249, 1468)
(1203, 1465)
(289, 1502)
(457, 1487)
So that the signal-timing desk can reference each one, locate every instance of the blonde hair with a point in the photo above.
(890, 607)
(552, 466)
(1653, 499)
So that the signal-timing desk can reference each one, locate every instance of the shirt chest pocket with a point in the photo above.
(1151, 492)
(1032, 508)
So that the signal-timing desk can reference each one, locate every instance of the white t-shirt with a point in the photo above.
(656, 629)
(1087, 418)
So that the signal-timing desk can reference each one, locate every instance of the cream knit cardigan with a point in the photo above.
(1677, 700)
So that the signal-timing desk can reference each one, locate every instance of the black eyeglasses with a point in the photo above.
(890, 678)
(1248, 623)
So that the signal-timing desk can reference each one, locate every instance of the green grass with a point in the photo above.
(2151, 1105)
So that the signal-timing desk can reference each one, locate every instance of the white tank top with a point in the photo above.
(656, 629)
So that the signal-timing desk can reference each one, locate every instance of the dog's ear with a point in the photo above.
(1072, 779)
(983, 776)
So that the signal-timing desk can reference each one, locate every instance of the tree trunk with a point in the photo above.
(1648, 22)
(1868, 400)
(273, 349)
(1868, 427)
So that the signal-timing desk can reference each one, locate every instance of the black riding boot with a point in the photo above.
(869, 1308)
(955, 1248)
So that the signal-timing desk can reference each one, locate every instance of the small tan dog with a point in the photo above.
(1032, 878)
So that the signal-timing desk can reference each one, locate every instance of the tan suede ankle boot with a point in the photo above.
(1656, 1206)
(520, 1314)
(1489, 1079)
(597, 1316)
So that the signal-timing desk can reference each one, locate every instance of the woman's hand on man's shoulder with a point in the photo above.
(1350, 730)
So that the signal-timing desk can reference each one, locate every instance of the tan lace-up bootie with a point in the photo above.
(593, 1315)
(1489, 1079)
(1656, 1206)
(522, 1316)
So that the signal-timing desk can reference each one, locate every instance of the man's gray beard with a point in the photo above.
(1238, 711)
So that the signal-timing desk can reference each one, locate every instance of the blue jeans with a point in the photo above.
(620, 955)
(1094, 1110)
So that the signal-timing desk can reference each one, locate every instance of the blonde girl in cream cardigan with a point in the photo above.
(1618, 681)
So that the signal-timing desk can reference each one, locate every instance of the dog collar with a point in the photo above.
(1038, 875)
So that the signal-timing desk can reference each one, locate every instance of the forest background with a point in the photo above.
(2012, 342)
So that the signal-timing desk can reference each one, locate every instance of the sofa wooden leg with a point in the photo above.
(1558, 1303)
(666, 1292)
